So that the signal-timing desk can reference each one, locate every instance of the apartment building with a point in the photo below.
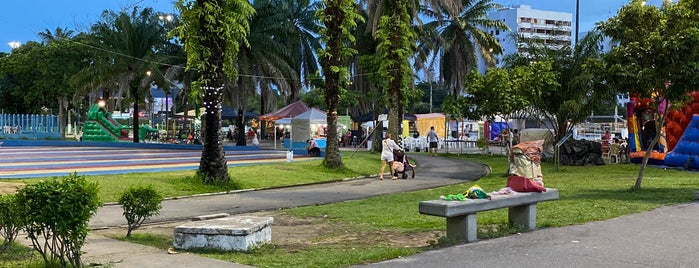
(553, 28)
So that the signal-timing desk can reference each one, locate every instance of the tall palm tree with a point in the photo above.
(339, 18)
(395, 45)
(59, 47)
(266, 64)
(130, 42)
(212, 31)
(301, 38)
(457, 39)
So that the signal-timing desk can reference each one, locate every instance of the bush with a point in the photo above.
(139, 204)
(483, 145)
(57, 214)
(11, 220)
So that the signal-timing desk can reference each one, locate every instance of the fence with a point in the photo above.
(29, 126)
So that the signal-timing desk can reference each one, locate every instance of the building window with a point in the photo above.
(497, 32)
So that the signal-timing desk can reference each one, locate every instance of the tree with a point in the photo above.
(396, 44)
(506, 91)
(212, 31)
(266, 61)
(133, 40)
(456, 40)
(655, 56)
(581, 88)
(339, 19)
(62, 58)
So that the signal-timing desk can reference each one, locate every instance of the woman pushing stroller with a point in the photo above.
(387, 147)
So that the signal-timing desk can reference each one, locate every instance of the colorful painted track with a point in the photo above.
(46, 161)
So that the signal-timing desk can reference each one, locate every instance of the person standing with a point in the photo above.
(387, 147)
(432, 138)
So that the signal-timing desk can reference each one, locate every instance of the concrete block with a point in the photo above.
(240, 233)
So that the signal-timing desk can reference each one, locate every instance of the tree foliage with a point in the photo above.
(212, 31)
(396, 44)
(457, 40)
(139, 204)
(339, 18)
(580, 82)
(656, 55)
(57, 214)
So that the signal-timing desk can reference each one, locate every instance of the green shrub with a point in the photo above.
(57, 214)
(483, 145)
(139, 204)
(11, 220)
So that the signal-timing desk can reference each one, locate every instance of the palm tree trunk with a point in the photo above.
(62, 105)
(213, 162)
(240, 126)
(135, 115)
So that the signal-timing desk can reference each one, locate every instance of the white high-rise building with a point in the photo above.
(552, 27)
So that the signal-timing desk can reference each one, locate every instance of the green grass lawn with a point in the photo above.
(587, 194)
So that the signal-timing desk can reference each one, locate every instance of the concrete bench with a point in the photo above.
(240, 233)
(461, 215)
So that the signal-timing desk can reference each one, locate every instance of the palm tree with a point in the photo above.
(266, 64)
(457, 39)
(131, 42)
(339, 18)
(389, 22)
(300, 36)
(58, 46)
(212, 31)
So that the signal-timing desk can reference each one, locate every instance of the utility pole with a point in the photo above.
(429, 78)
(577, 20)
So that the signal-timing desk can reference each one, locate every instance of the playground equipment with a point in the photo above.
(100, 126)
(679, 142)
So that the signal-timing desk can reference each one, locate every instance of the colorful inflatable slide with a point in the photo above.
(100, 126)
(679, 144)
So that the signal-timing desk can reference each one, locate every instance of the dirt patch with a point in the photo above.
(10, 187)
(294, 234)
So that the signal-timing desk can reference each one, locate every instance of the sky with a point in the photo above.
(21, 20)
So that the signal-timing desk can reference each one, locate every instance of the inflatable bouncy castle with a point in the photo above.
(679, 142)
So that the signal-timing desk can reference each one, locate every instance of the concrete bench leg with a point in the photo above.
(462, 228)
(523, 215)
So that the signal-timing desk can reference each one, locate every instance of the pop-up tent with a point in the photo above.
(289, 111)
(423, 122)
(303, 125)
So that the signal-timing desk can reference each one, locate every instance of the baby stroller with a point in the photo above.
(401, 164)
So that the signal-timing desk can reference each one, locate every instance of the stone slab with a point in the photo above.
(228, 234)
(241, 225)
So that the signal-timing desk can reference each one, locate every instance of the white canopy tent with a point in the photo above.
(302, 125)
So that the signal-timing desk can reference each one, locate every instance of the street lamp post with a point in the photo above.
(430, 73)
(577, 20)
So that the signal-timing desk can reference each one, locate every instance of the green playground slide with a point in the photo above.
(100, 126)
